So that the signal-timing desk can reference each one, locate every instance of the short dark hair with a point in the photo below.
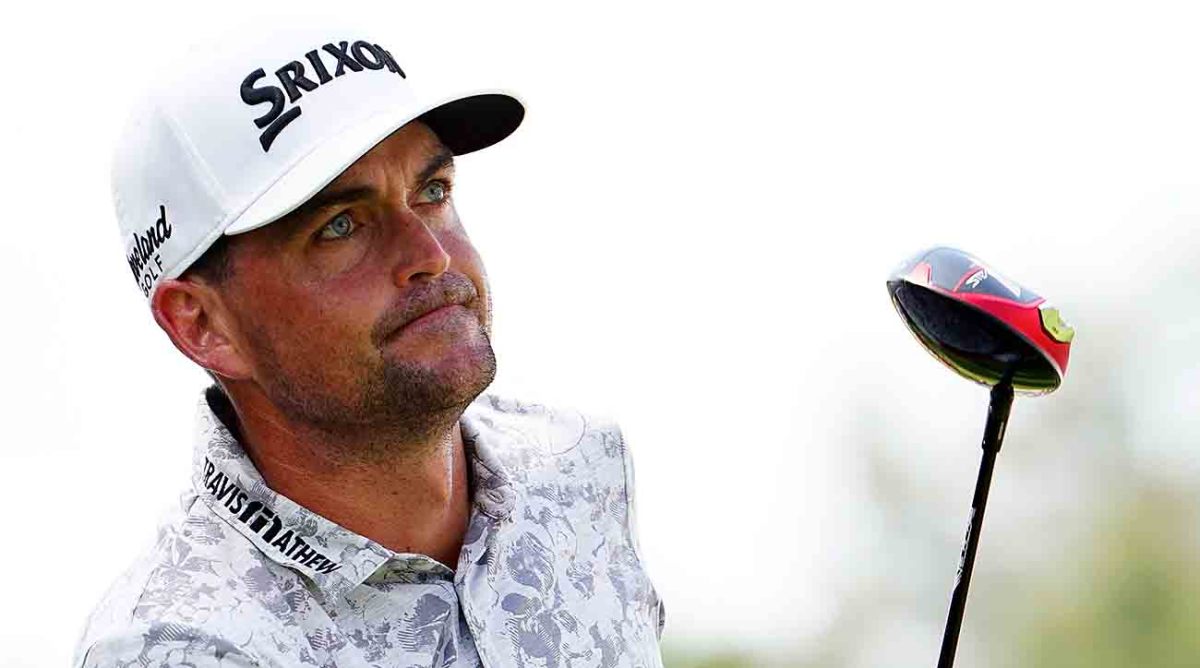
(214, 266)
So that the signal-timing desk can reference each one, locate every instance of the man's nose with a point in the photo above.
(420, 255)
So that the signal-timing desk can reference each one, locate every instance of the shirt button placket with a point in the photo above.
(477, 637)
(473, 624)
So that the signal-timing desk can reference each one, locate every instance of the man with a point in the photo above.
(356, 499)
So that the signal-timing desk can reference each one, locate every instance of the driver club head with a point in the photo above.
(980, 324)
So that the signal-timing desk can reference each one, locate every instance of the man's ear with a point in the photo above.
(192, 313)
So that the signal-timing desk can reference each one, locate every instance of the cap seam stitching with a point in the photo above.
(212, 185)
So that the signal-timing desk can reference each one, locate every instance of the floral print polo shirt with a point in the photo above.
(549, 575)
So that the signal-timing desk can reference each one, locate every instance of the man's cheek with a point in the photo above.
(485, 303)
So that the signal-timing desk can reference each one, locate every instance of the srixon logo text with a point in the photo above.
(144, 259)
(319, 67)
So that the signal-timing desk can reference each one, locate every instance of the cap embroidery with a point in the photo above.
(355, 57)
(144, 259)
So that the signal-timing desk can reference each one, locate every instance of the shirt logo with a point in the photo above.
(346, 57)
(263, 521)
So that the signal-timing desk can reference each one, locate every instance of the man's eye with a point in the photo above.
(436, 192)
(340, 227)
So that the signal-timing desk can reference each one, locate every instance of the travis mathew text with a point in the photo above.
(263, 521)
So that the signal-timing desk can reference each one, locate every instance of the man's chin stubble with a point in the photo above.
(401, 412)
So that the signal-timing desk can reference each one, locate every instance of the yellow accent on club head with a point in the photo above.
(1055, 324)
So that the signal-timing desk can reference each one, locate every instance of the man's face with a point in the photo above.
(326, 303)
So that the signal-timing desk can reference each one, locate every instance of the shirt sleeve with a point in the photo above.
(165, 646)
(632, 526)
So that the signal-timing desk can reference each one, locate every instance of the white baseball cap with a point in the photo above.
(237, 137)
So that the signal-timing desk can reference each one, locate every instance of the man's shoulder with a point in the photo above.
(540, 440)
(575, 525)
(566, 464)
(198, 592)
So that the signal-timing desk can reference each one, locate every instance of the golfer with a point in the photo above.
(357, 498)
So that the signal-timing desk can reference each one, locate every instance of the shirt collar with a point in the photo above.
(493, 490)
(334, 558)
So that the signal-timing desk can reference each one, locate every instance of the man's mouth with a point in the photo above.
(427, 305)
(431, 315)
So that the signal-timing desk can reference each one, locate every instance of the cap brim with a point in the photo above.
(463, 124)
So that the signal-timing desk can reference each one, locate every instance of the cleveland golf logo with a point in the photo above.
(144, 260)
(293, 78)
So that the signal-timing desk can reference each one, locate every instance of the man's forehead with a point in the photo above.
(413, 147)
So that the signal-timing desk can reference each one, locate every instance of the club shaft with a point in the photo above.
(993, 436)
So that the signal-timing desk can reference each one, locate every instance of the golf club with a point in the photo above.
(994, 332)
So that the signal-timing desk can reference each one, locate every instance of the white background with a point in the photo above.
(690, 232)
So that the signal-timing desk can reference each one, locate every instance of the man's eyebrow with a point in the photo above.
(443, 158)
(329, 198)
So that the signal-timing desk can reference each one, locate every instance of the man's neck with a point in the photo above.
(416, 501)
